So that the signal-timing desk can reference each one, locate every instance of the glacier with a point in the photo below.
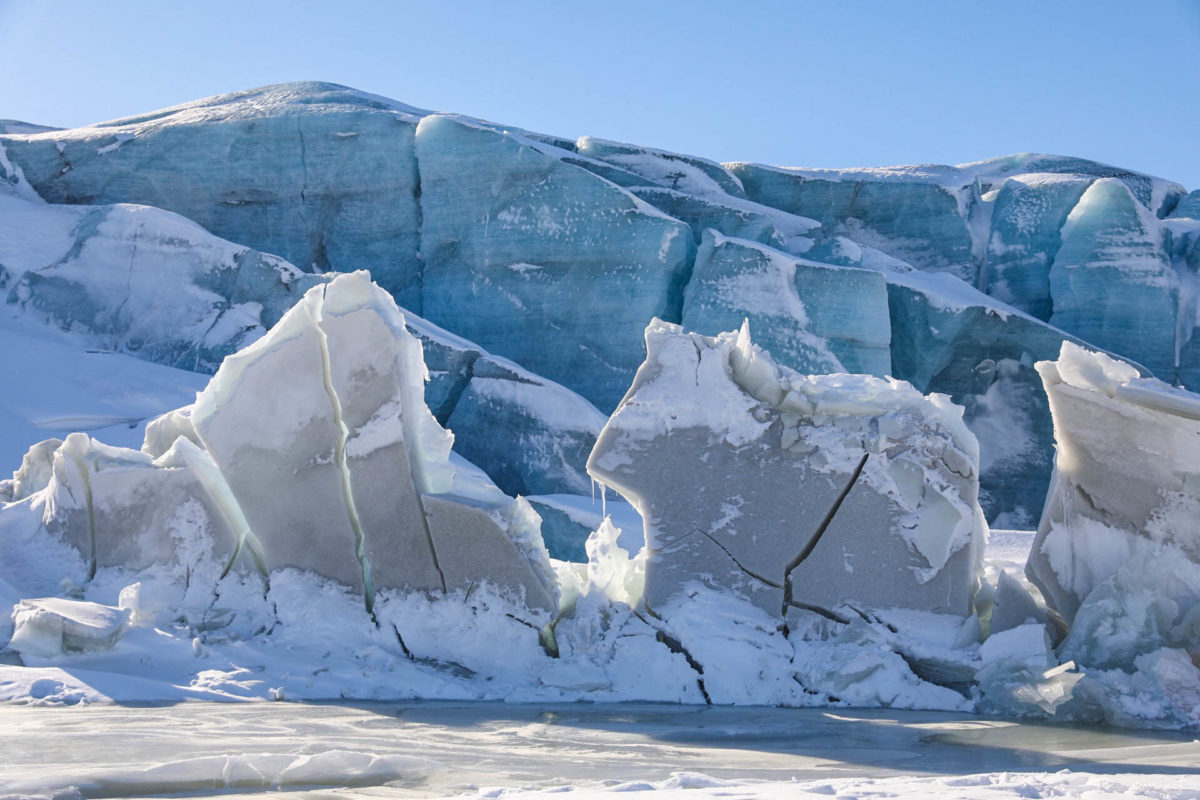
(509, 348)
(482, 229)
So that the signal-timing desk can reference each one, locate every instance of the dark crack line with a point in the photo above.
(818, 610)
(725, 550)
(820, 532)
(675, 646)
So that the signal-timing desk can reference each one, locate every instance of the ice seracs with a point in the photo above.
(794, 492)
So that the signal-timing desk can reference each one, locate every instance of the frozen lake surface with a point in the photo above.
(429, 749)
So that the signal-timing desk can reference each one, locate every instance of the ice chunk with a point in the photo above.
(1013, 606)
(336, 444)
(516, 241)
(34, 473)
(118, 507)
(811, 317)
(335, 475)
(51, 626)
(1112, 283)
(1127, 477)
(1019, 675)
(789, 489)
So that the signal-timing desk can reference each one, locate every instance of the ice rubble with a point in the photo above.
(792, 491)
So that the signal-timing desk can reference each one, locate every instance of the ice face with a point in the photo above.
(947, 337)
(911, 213)
(813, 317)
(1120, 520)
(317, 173)
(1112, 283)
(1027, 217)
(141, 280)
(695, 176)
(517, 242)
(782, 489)
(531, 435)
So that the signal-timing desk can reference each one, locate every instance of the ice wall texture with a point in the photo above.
(798, 494)
(554, 253)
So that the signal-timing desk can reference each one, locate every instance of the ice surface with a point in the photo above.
(886, 478)
(516, 242)
(317, 173)
(1112, 283)
(811, 317)
(140, 280)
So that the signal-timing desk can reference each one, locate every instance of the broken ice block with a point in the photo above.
(1127, 475)
(51, 626)
(119, 507)
(792, 491)
(322, 432)
(468, 533)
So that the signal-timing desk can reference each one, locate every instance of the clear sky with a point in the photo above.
(797, 83)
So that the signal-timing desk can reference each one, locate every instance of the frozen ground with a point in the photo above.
(500, 750)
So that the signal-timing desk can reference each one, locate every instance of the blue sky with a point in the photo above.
(798, 83)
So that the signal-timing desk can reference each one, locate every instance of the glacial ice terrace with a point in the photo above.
(349, 399)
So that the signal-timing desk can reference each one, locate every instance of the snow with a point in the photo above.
(489, 750)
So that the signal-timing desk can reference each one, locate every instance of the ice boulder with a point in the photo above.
(518, 242)
(318, 173)
(322, 431)
(794, 492)
(1120, 534)
(121, 508)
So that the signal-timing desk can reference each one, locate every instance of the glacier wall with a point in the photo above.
(554, 253)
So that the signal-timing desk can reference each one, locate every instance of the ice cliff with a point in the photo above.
(512, 239)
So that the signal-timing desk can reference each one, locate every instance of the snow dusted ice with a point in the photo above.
(602, 423)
